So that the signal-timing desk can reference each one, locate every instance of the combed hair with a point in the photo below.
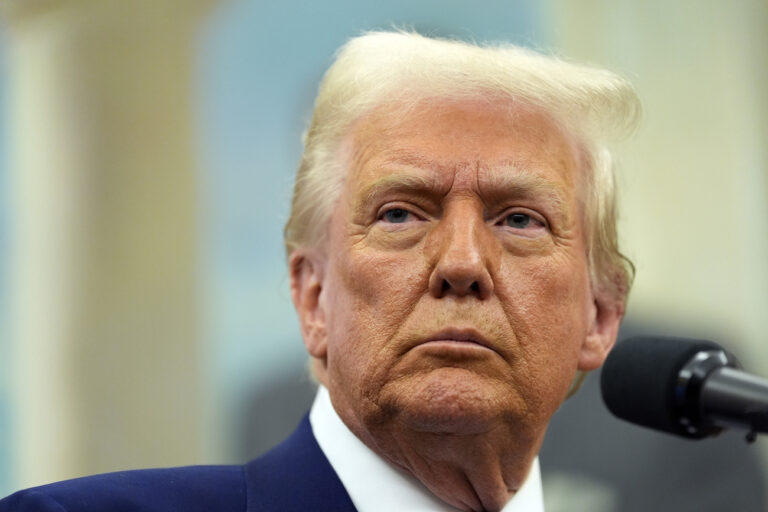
(594, 107)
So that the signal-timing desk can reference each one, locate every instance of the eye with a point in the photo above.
(523, 221)
(518, 220)
(396, 215)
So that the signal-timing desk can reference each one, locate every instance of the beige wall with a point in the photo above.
(695, 177)
(104, 270)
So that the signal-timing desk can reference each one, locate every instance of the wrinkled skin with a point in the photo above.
(451, 307)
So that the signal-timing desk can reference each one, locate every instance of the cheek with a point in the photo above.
(383, 284)
(549, 290)
(373, 293)
(546, 306)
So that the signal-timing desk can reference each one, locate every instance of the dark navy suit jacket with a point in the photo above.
(295, 475)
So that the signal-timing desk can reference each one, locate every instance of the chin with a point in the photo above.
(450, 400)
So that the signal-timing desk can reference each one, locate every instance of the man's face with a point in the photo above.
(454, 292)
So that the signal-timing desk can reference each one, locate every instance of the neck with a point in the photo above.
(477, 472)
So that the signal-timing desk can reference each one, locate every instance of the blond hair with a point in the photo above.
(593, 106)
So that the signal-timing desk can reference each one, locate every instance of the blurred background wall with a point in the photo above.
(147, 151)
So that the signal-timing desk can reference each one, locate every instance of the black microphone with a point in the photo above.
(692, 388)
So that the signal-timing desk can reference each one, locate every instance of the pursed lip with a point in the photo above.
(466, 335)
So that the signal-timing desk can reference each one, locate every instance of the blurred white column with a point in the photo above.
(695, 181)
(106, 341)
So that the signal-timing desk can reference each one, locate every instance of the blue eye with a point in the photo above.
(518, 220)
(396, 215)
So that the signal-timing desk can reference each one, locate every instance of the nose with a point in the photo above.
(462, 257)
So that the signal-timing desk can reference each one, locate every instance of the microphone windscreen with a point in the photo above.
(639, 377)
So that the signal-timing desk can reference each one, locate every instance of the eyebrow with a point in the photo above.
(514, 181)
(408, 181)
(503, 182)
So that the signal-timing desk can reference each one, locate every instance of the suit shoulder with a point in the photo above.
(296, 475)
(188, 489)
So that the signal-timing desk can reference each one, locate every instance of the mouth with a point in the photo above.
(457, 338)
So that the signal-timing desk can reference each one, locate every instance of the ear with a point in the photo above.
(605, 317)
(307, 273)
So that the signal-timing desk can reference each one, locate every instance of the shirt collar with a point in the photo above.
(375, 485)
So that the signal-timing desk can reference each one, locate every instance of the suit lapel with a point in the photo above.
(295, 475)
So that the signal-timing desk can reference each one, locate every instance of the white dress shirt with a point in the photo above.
(375, 485)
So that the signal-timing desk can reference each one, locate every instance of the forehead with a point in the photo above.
(479, 140)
